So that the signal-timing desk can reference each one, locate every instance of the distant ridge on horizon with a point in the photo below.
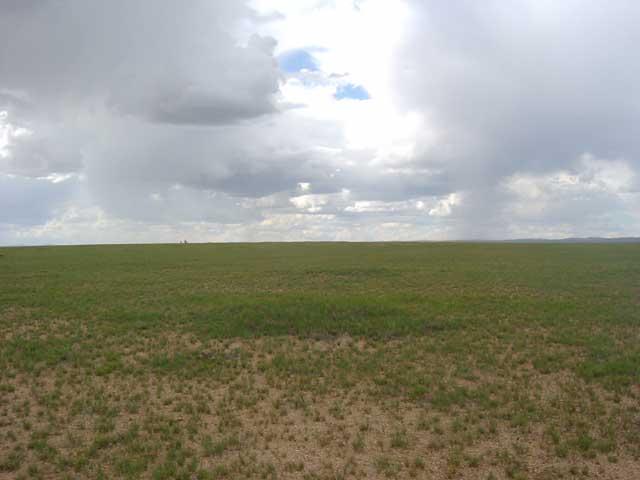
(575, 240)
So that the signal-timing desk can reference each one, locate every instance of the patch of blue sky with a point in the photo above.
(351, 91)
(293, 61)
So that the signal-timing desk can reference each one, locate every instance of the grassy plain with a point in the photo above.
(320, 361)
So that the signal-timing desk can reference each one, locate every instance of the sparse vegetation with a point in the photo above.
(320, 361)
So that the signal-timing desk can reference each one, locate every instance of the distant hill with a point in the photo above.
(577, 240)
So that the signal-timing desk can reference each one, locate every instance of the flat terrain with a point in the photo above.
(320, 361)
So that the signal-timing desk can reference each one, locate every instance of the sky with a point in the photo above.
(287, 120)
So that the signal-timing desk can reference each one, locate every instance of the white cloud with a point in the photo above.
(476, 124)
(445, 206)
(599, 191)
(310, 203)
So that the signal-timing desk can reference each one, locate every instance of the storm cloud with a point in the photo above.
(161, 120)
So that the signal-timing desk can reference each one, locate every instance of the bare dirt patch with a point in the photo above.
(263, 415)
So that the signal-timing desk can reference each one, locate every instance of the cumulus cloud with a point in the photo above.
(35, 153)
(168, 62)
(230, 120)
(520, 87)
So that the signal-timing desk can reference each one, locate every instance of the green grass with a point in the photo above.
(214, 361)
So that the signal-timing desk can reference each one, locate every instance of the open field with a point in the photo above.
(320, 361)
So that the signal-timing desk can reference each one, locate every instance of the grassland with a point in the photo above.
(320, 361)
